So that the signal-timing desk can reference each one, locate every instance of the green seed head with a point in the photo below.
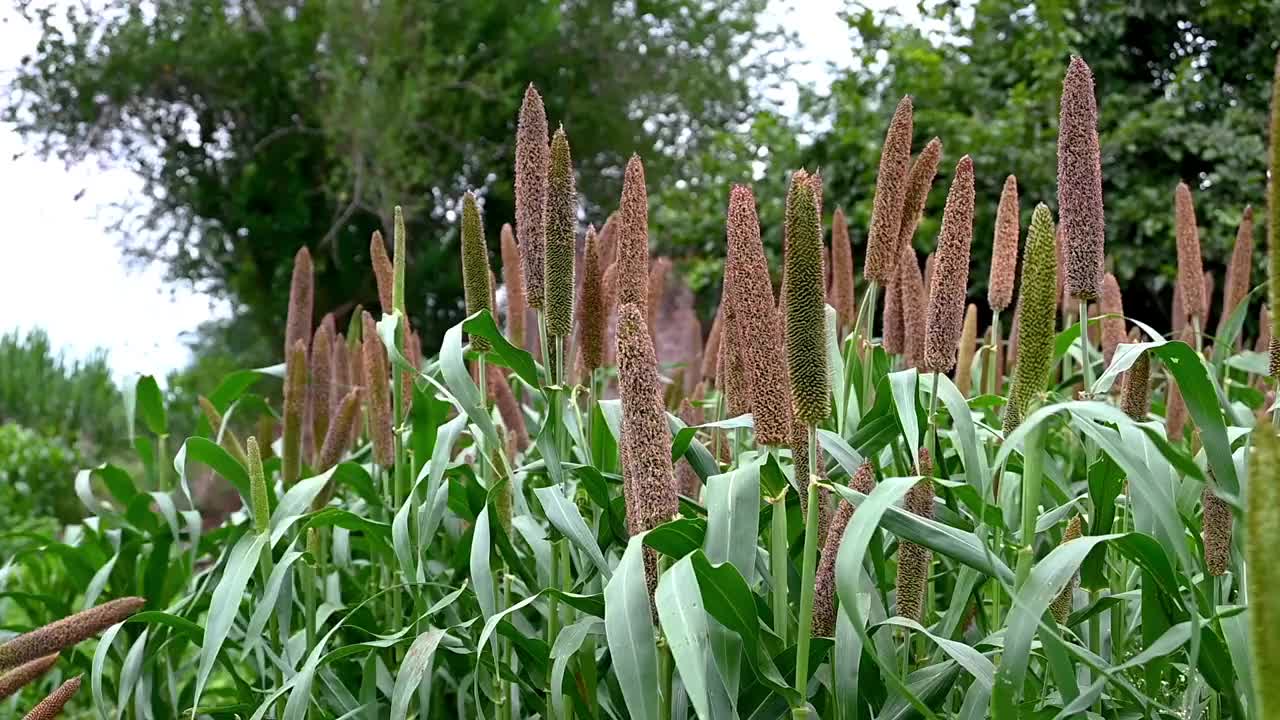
(891, 185)
(562, 206)
(383, 273)
(62, 634)
(1037, 313)
(1004, 253)
(591, 311)
(1273, 224)
(532, 161)
(259, 506)
(399, 239)
(301, 299)
(805, 302)
(1262, 516)
(51, 707)
(475, 265)
(949, 284)
(1080, 183)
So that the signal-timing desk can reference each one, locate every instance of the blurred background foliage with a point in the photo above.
(260, 127)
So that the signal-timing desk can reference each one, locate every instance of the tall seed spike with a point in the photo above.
(1190, 263)
(633, 239)
(757, 320)
(1037, 312)
(950, 283)
(475, 265)
(561, 245)
(1262, 516)
(1061, 605)
(295, 401)
(377, 385)
(513, 279)
(1113, 328)
(914, 304)
(1273, 225)
(51, 707)
(1215, 526)
(919, 181)
(229, 439)
(914, 560)
(735, 383)
(842, 271)
(533, 158)
(1239, 270)
(62, 634)
(301, 300)
(383, 273)
(25, 674)
(259, 504)
(806, 325)
(1004, 253)
(891, 184)
(1136, 399)
(339, 435)
(891, 321)
(1080, 182)
(968, 345)
(928, 275)
(591, 310)
(824, 594)
(609, 240)
(321, 379)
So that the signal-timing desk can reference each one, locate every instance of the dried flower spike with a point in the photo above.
(513, 279)
(1080, 183)
(950, 283)
(23, 675)
(633, 239)
(321, 371)
(687, 481)
(62, 634)
(656, 292)
(51, 707)
(891, 185)
(756, 318)
(259, 504)
(475, 265)
(914, 303)
(824, 594)
(1135, 401)
(914, 560)
(295, 402)
(1190, 265)
(1004, 253)
(562, 208)
(711, 353)
(1037, 310)
(532, 163)
(340, 432)
(1061, 606)
(591, 310)
(301, 299)
(919, 182)
(805, 301)
(894, 337)
(731, 372)
(1113, 330)
(1215, 524)
(383, 274)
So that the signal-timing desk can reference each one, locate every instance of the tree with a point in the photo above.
(1183, 93)
(261, 126)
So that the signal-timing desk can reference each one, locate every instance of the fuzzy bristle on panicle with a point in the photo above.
(656, 292)
(1262, 517)
(894, 337)
(1190, 263)
(1061, 605)
(1215, 530)
(968, 345)
(295, 403)
(1273, 226)
(591, 313)
(756, 319)
(533, 158)
(340, 432)
(842, 271)
(951, 280)
(23, 675)
(377, 386)
(561, 243)
(711, 353)
(301, 300)
(1113, 329)
(51, 707)
(508, 407)
(1037, 311)
(919, 181)
(688, 483)
(383, 274)
(914, 560)
(914, 303)
(824, 592)
(62, 634)
(475, 265)
(259, 505)
(633, 239)
(1135, 401)
(513, 279)
(891, 184)
(805, 303)
(1004, 251)
(609, 240)
(1239, 270)
(321, 371)
(1080, 183)
(648, 481)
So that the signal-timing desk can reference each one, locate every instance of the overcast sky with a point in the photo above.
(61, 269)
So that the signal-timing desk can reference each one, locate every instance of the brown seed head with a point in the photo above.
(923, 170)
(508, 407)
(891, 186)
(633, 238)
(591, 310)
(891, 314)
(1190, 265)
(295, 403)
(1113, 329)
(1004, 253)
(756, 318)
(561, 243)
(321, 379)
(711, 353)
(533, 158)
(1215, 526)
(1080, 182)
(50, 707)
(914, 304)
(731, 372)
(824, 595)
(656, 292)
(842, 272)
(377, 385)
(513, 279)
(341, 431)
(968, 344)
(609, 240)
(1061, 605)
(1136, 398)
(23, 675)
(1239, 269)
(914, 560)
(950, 283)
(62, 634)
(301, 299)
(383, 274)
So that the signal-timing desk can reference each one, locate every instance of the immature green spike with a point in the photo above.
(560, 247)
(1061, 605)
(229, 439)
(1037, 313)
(62, 634)
(399, 261)
(50, 707)
(23, 675)
(1262, 518)
(259, 505)
(805, 303)
(295, 401)
(475, 265)
(1215, 526)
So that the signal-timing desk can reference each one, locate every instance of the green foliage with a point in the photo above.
(37, 474)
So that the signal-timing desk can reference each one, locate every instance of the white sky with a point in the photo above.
(60, 268)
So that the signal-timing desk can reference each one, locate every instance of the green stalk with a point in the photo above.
(778, 565)
(868, 353)
(666, 664)
(932, 435)
(1032, 478)
(809, 569)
